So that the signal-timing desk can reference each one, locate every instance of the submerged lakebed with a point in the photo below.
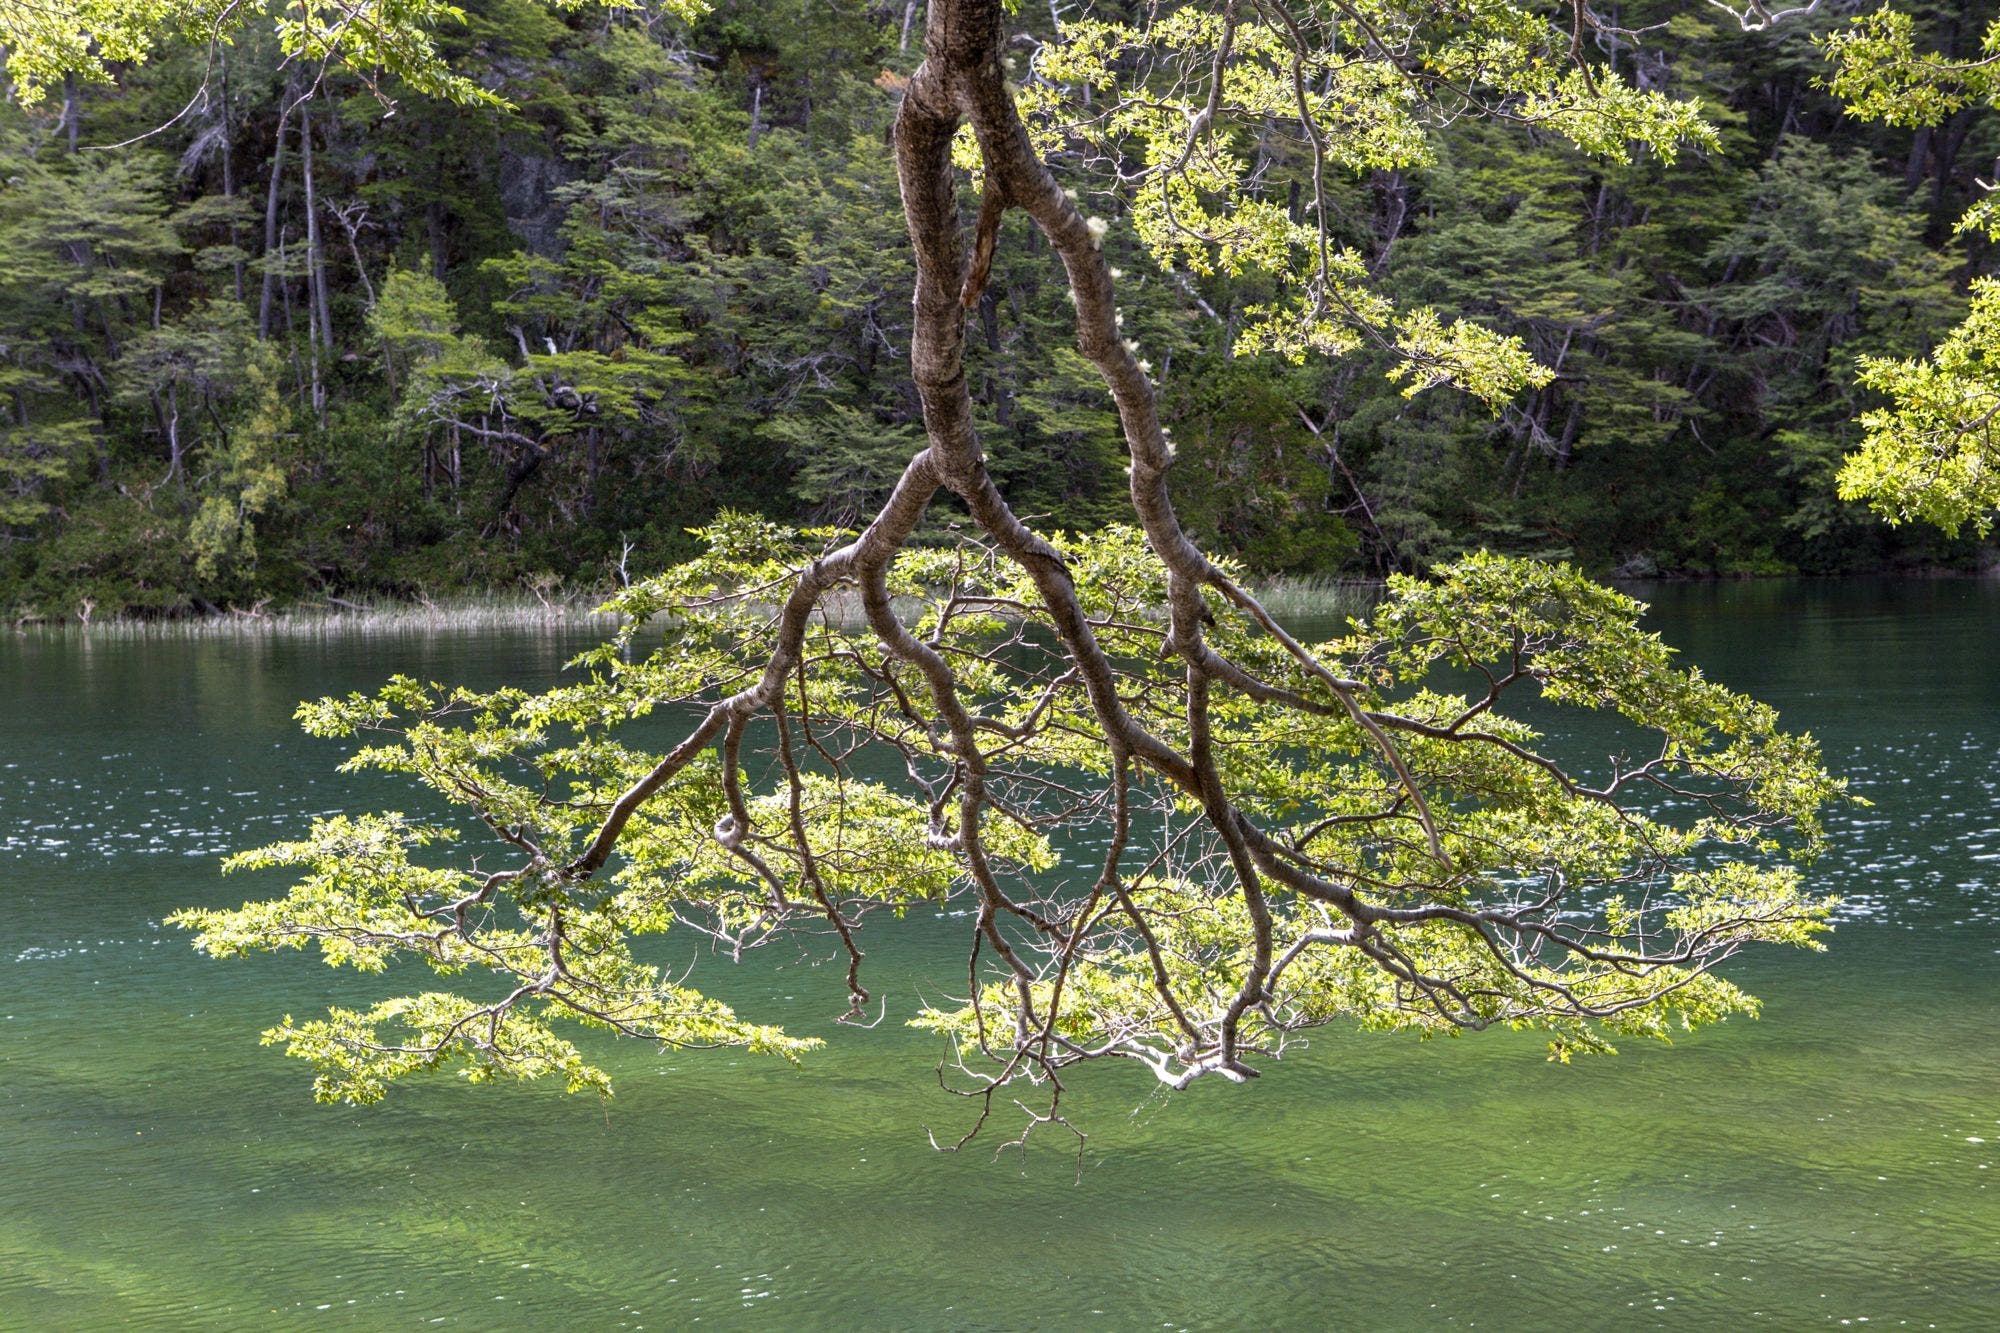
(1832, 1163)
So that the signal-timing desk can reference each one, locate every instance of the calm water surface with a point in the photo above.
(1831, 1164)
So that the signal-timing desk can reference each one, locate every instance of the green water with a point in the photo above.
(1831, 1164)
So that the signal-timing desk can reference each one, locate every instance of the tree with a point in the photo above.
(1931, 453)
(1827, 272)
(1286, 834)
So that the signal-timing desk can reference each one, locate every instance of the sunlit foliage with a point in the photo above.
(1586, 907)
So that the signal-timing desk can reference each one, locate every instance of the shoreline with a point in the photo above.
(1294, 595)
(334, 616)
(500, 611)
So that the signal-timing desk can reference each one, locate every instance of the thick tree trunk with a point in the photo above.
(962, 82)
(963, 79)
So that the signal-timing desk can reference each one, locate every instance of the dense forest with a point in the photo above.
(270, 333)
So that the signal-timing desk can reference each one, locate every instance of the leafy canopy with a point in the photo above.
(46, 42)
(1930, 453)
(1583, 909)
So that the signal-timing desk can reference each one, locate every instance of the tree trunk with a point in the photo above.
(963, 79)
(173, 431)
(266, 301)
(315, 253)
(72, 111)
(434, 229)
(229, 168)
(352, 230)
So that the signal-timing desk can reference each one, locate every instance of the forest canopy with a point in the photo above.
(519, 296)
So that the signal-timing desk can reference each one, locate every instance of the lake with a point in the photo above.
(1834, 1163)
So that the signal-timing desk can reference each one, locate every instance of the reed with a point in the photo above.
(469, 614)
(1289, 597)
(1316, 596)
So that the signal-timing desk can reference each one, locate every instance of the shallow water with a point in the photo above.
(1831, 1164)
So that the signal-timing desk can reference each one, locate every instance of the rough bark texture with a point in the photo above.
(962, 81)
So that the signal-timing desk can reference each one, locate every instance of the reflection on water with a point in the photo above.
(1831, 1164)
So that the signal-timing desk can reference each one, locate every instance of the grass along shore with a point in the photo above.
(1284, 596)
(339, 616)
